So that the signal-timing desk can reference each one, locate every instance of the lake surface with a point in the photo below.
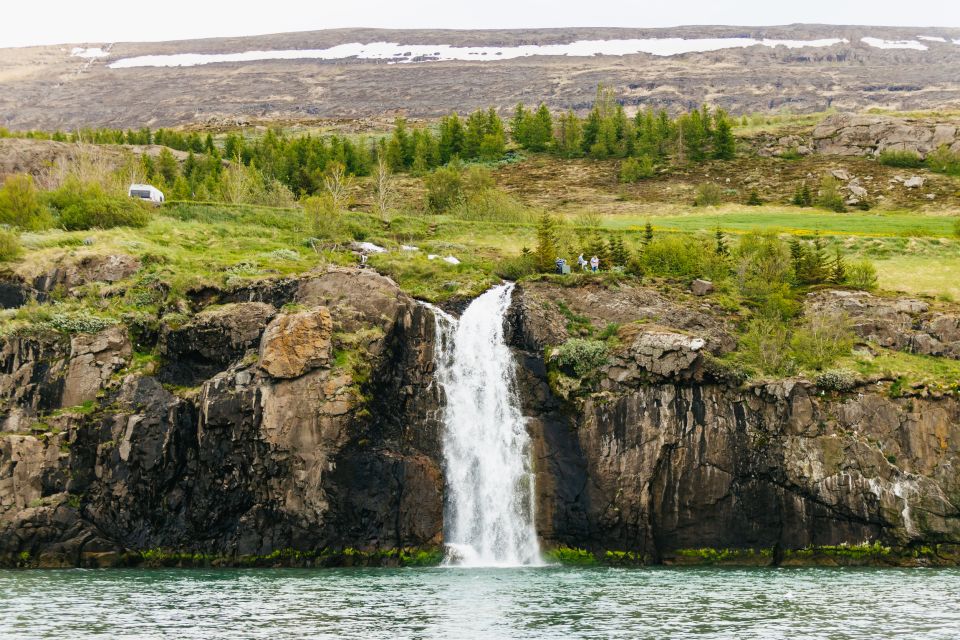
(549, 602)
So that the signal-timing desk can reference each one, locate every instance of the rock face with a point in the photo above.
(291, 451)
(661, 452)
(903, 324)
(319, 429)
(847, 134)
(295, 344)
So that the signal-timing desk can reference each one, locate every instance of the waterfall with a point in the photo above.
(489, 477)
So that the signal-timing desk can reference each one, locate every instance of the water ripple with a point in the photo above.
(799, 604)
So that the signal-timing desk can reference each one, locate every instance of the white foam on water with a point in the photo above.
(394, 52)
(486, 447)
(894, 44)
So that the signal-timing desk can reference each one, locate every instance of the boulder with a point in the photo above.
(666, 353)
(914, 182)
(701, 287)
(293, 344)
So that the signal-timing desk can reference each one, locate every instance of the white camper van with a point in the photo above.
(146, 192)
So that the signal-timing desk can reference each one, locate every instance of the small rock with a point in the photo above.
(914, 182)
(840, 174)
(701, 287)
(931, 196)
(856, 190)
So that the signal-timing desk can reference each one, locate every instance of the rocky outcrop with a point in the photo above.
(94, 358)
(904, 324)
(295, 450)
(211, 340)
(35, 281)
(661, 451)
(294, 344)
(847, 134)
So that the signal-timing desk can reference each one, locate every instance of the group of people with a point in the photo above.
(583, 263)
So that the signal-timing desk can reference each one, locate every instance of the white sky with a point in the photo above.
(30, 22)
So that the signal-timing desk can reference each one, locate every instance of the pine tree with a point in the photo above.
(647, 233)
(569, 135)
(838, 270)
(546, 249)
(451, 138)
(724, 145)
(721, 243)
(540, 129)
(518, 125)
(754, 198)
(167, 166)
(797, 258)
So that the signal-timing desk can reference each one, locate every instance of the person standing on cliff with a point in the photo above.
(594, 264)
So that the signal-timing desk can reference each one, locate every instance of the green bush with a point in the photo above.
(636, 169)
(581, 356)
(87, 206)
(765, 346)
(830, 197)
(904, 159)
(10, 248)
(708, 195)
(20, 204)
(517, 267)
(836, 380)
(943, 160)
(821, 340)
(444, 188)
(681, 257)
(862, 275)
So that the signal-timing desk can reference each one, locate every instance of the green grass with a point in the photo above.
(911, 369)
(796, 221)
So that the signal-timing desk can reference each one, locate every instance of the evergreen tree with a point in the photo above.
(724, 145)
(647, 233)
(167, 166)
(545, 252)
(838, 270)
(569, 135)
(721, 243)
(451, 138)
(518, 125)
(539, 129)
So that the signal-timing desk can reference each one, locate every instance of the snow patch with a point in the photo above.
(394, 52)
(407, 247)
(90, 52)
(894, 44)
(932, 38)
(367, 247)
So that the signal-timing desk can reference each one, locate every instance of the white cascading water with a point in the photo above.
(489, 477)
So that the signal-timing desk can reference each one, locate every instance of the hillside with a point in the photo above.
(800, 68)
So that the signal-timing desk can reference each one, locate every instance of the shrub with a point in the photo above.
(682, 257)
(753, 199)
(802, 197)
(943, 160)
(766, 346)
(830, 197)
(517, 267)
(904, 159)
(581, 356)
(9, 245)
(823, 338)
(20, 204)
(492, 205)
(708, 195)
(88, 206)
(321, 215)
(836, 380)
(444, 188)
(635, 169)
(862, 275)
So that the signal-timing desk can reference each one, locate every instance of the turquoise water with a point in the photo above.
(482, 603)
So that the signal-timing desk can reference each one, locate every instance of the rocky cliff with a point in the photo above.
(300, 417)
(661, 451)
(258, 430)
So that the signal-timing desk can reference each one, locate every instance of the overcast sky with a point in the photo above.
(28, 22)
